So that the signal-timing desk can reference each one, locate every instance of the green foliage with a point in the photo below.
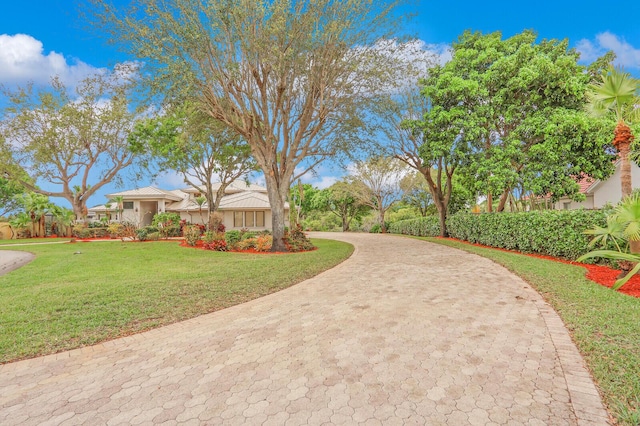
(558, 233)
(165, 219)
(296, 240)
(62, 137)
(510, 111)
(232, 237)
(428, 226)
(192, 234)
(116, 230)
(9, 203)
(622, 224)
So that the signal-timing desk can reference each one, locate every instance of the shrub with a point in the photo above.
(161, 220)
(428, 226)
(558, 233)
(153, 236)
(264, 242)
(115, 230)
(246, 244)
(376, 229)
(245, 235)
(81, 231)
(232, 238)
(296, 240)
(208, 237)
(141, 234)
(192, 234)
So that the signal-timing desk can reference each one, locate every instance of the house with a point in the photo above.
(600, 192)
(242, 206)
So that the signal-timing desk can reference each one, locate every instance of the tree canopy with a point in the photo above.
(198, 147)
(523, 102)
(289, 77)
(77, 143)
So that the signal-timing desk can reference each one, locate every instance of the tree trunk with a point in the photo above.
(276, 199)
(345, 224)
(503, 201)
(383, 228)
(489, 203)
(623, 137)
(442, 217)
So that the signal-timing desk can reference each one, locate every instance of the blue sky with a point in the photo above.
(39, 38)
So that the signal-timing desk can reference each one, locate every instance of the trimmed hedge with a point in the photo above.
(557, 233)
(428, 226)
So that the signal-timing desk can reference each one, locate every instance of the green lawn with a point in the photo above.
(32, 241)
(79, 294)
(605, 325)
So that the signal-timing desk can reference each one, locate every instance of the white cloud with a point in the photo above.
(171, 180)
(627, 55)
(22, 59)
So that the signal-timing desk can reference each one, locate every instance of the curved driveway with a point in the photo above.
(404, 332)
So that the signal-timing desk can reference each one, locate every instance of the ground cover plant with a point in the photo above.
(72, 295)
(603, 323)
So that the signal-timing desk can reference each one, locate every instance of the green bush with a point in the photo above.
(428, 226)
(558, 233)
(153, 236)
(141, 234)
(232, 237)
(166, 219)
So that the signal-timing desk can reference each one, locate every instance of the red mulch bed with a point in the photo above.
(602, 275)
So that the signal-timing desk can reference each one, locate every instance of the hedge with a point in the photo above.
(557, 233)
(428, 226)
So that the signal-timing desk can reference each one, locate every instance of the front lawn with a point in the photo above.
(605, 325)
(79, 294)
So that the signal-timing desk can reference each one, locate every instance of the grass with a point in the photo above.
(605, 325)
(74, 295)
(32, 241)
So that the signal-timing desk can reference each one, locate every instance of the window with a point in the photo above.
(259, 219)
(237, 220)
(567, 205)
(127, 205)
(248, 219)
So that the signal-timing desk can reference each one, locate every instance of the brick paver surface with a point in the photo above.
(404, 332)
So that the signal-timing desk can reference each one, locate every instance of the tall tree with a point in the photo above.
(288, 76)
(76, 143)
(618, 95)
(377, 184)
(424, 130)
(524, 102)
(198, 147)
(342, 200)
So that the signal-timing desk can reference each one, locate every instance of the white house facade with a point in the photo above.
(242, 206)
(598, 193)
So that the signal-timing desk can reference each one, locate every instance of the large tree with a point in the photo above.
(376, 182)
(524, 102)
(288, 76)
(75, 142)
(342, 200)
(200, 148)
(424, 131)
(618, 94)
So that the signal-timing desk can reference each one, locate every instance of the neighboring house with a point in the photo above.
(600, 192)
(243, 206)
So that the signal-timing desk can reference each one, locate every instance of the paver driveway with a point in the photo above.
(404, 332)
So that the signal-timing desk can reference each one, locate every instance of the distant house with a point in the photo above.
(600, 192)
(243, 206)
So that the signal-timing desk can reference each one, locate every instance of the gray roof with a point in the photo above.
(148, 192)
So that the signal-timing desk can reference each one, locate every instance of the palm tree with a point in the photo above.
(617, 95)
(118, 200)
(200, 202)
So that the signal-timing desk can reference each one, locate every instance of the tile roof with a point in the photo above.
(147, 192)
